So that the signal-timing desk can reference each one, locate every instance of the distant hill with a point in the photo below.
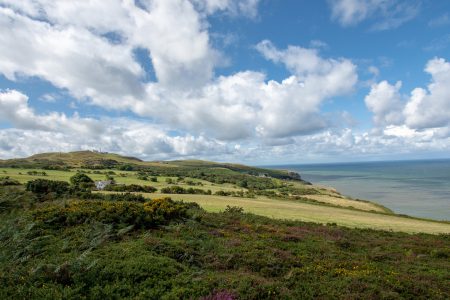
(103, 160)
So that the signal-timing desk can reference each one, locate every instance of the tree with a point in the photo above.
(81, 180)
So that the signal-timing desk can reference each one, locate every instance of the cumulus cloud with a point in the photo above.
(141, 141)
(385, 14)
(385, 102)
(91, 54)
(430, 107)
(258, 107)
(69, 57)
(14, 109)
(34, 133)
(423, 108)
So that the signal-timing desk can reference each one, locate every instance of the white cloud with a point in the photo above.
(248, 8)
(34, 133)
(428, 108)
(150, 141)
(256, 107)
(72, 49)
(385, 102)
(385, 14)
(424, 108)
(69, 57)
(349, 12)
(14, 109)
(90, 55)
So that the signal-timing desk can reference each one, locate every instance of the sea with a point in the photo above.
(419, 188)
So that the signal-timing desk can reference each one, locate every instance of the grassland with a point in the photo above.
(298, 210)
(273, 236)
(327, 206)
(59, 248)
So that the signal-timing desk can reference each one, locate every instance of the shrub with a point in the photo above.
(36, 173)
(175, 189)
(130, 188)
(42, 187)
(6, 180)
(81, 180)
(149, 214)
(234, 210)
(123, 197)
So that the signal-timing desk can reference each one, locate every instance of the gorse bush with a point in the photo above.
(150, 214)
(43, 187)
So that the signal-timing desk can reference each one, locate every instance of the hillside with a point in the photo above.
(100, 160)
(203, 230)
(272, 193)
(97, 247)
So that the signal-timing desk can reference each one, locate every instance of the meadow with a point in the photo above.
(322, 206)
(65, 248)
(223, 232)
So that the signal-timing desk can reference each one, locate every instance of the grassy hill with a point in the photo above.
(205, 230)
(65, 247)
(100, 160)
(260, 191)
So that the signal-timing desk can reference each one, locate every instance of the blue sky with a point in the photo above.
(259, 82)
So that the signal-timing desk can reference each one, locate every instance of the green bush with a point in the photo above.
(130, 188)
(175, 189)
(122, 197)
(140, 215)
(43, 187)
(81, 180)
(6, 180)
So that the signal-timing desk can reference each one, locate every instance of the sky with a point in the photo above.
(250, 81)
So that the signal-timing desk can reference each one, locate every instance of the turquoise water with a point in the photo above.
(415, 188)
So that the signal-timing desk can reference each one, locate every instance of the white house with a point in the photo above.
(100, 185)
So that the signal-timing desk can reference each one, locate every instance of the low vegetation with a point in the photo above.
(164, 249)
(203, 231)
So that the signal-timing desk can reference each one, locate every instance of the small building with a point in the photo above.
(100, 185)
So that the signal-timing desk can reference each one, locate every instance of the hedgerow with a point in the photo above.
(141, 215)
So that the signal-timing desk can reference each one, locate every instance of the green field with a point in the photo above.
(260, 234)
(121, 177)
(296, 210)
(335, 209)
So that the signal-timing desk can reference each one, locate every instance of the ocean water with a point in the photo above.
(415, 188)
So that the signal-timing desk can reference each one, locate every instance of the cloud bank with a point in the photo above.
(183, 109)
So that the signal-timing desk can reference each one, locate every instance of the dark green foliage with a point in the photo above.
(81, 180)
(48, 188)
(100, 163)
(121, 197)
(36, 173)
(161, 249)
(175, 189)
(233, 210)
(241, 194)
(130, 188)
(6, 180)
(126, 167)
